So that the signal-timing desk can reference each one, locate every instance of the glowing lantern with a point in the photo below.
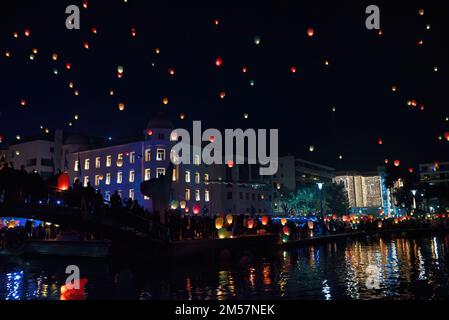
(121, 106)
(311, 225)
(286, 231)
(219, 62)
(134, 32)
(86, 45)
(196, 209)
(12, 224)
(120, 163)
(310, 32)
(222, 95)
(257, 40)
(64, 182)
(380, 142)
(334, 217)
(74, 294)
(293, 69)
(174, 205)
(421, 12)
(23, 103)
(379, 224)
(397, 163)
(182, 116)
(85, 4)
(284, 221)
(394, 88)
(183, 205)
(94, 30)
(411, 170)
(250, 223)
(149, 133)
(284, 238)
(265, 220)
(219, 223)
(68, 66)
(171, 71)
(245, 69)
(312, 148)
(187, 210)
(230, 164)
(165, 101)
(222, 233)
(446, 136)
(229, 219)
(212, 139)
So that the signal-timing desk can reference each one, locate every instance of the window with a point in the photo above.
(197, 178)
(175, 175)
(120, 177)
(131, 194)
(148, 155)
(120, 193)
(97, 180)
(197, 160)
(77, 166)
(160, 172)
(120, 160)
(87, 164)
(188, 177)
(86, 181)
(197, 195)
(160, 155)
(187, 194)
(132, 176)
(108, 179)
(108, 161)
(98, 162)
(207, 196)
(107, 196)
(147, 174)
(206, 178)
(132, 157)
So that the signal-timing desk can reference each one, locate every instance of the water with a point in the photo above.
(408, 269)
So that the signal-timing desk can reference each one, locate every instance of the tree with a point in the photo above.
(301, 202)
(336, 198)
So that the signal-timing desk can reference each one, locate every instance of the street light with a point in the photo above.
(414, 198)
(320, 187)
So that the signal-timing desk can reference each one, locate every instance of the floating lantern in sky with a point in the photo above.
(219, 62)
(54, 57)
(23, 103)
(380, 142)
(421, 12)
(420, 43)
(94, 30)
(293, 69)
(222, 95)
(133, 32)
(428, 26)
(165, 101)
(435, 69)
(394, 88)
(257, 40)
(230, 164)
(216, 22)
(171, 71)
(86, 45)
(68, 66)
(446, 136)
(340, 157)
(229, 219)
(121, 106)
(311, 32)
(8, 54)
(35, 51)
(219, 222)
(265, 220)
(76, 117)
(397, 163)
(157, 51)
(27, 32)
(32, 56)
(252, 83)
(182, 116)
(15, 35)
(111, 92)
(246, 116)
(312, 148)
(411, 170)
(120, 69)
(85, 4)
(245, 69)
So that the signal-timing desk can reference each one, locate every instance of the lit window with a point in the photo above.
(77, 166)
(108, 161)
(107, 196)
(132, 157)
(120, 177)
(188, 177)
(187, 194)
(147, 174)
(175, 175)
(197, 160)
(146, 198)
(197, 178)
(160, 156)
(207, 196)
(97, 180)
(132, 176)
(120, 160)
(131, 194)
(197, 195)
(98, 162)
(87, 164)
(86, 181)
(148, 155)
(160, 172)
(206, 178)
(120, 193)
(108, 179)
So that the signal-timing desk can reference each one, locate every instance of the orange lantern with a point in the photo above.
(229, 219)
(74, 294)
(265, 220)
(286, 231)
(310, 32)
(311, 225)
(250, 223)
(446, 136)
(219, 222)
(284, 221)
(63, 182)
(397, 163)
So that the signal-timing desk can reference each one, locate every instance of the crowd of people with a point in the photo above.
(11, 237)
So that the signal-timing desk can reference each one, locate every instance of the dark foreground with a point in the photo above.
(415, 267)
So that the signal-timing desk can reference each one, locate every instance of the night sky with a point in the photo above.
(363, 68)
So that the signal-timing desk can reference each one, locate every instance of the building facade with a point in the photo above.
(434, 173)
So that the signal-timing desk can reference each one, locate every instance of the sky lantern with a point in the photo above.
(15, 35)
(171, 71)
(397, 163)
(229, 219)
(310, 225)
(257, 40)
(23, 103)
(86, 45)
(157, 51)
(54, 57)
(421, 12)
(85, 4)
(196, 209)
(1, 139)
(63, 182)
(217, 22)
(222, 95)
(380, 141)
(219, 222)
(219, 62)
(165, 101)
(312, 148)
(411, 170)
(446, 136)
(68, 66)
(150, 133)
(27, 32)
(230, 164)
(121, 106)
(293, 69)
(182, 116)
(286, 231)
(245, 69)
(133, 32)
(250, 223)
(311, 32)
(8, 54)
(284, 221)
(265, 220)
(175, 205)
(394, 88)
(94, 30)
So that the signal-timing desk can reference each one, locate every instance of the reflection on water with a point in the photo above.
(400, 268)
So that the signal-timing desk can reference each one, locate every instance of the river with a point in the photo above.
(367, 268)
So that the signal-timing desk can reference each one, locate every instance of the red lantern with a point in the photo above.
(311, 32)
(250, 223)
(74, 294)
(293, 69)
(446, 136)
(397, 163)
(68, 66)
(380, 142)
(133, 32)
(219, 62)
(64, 182)
(197, 209)
(334, 217)
(286, 231)
(265, 220)
(411, 170)
(230, 164)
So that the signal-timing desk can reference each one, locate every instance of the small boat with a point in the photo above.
(67, 248)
